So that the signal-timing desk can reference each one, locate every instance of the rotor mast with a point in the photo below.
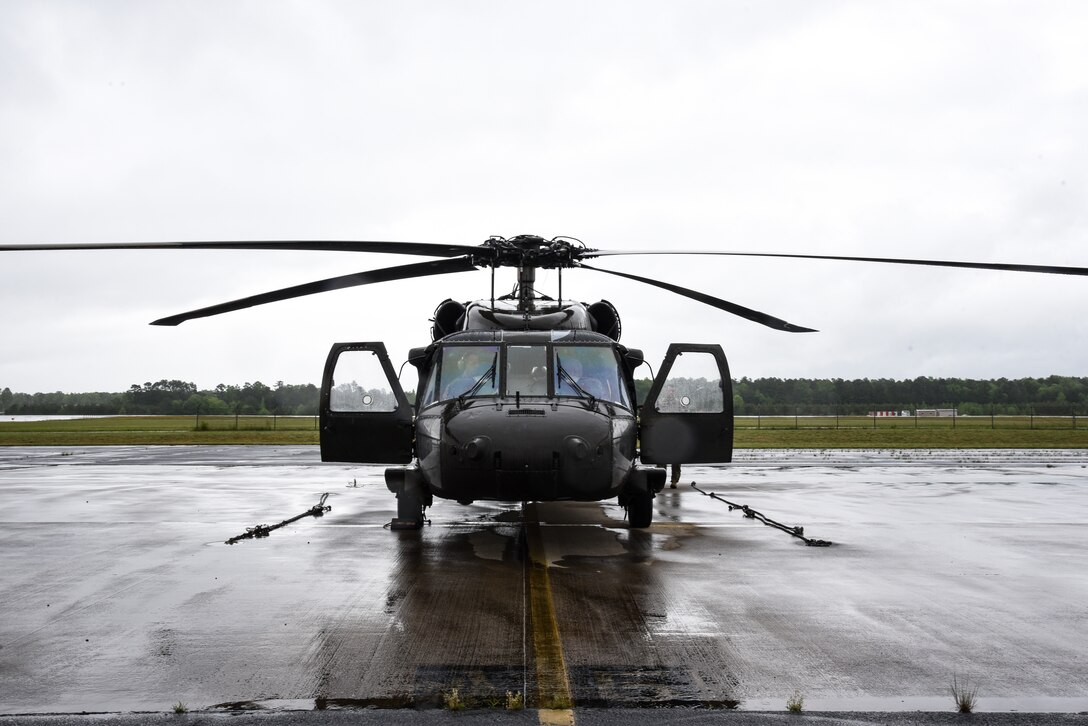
(526, 280)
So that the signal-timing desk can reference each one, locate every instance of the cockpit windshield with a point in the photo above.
(578, 371)
(589, 371)
(464, 370)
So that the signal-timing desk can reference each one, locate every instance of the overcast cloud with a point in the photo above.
(923, 129)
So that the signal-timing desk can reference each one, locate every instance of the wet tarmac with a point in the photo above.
(118, 594)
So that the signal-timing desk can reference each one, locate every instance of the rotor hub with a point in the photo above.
(531, 251)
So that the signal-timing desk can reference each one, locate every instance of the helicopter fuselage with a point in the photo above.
(538, 427)
(523, 415)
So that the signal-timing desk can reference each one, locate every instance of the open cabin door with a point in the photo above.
(365, 416)
(688, 415)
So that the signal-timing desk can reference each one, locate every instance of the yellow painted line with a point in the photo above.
(553, 687)
(556, 717)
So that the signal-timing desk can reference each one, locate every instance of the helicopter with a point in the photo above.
(521, 397)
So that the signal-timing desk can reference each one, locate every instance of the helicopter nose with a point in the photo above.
(512, 454)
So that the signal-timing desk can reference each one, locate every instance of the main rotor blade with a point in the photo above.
(1005, 267)
(398, 248)
(747, 313)
(387, 274)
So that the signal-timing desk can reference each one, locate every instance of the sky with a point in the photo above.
(948, 130)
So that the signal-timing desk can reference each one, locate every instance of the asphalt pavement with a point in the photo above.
(119, 595)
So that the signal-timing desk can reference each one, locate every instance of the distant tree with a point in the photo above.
(298, 400)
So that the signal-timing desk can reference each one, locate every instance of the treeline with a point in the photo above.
(170, 398)
(1052, 396)
(1055, 395)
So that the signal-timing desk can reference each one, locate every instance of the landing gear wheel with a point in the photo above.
(640, 510)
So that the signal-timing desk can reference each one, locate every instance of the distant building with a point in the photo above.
(932, 412)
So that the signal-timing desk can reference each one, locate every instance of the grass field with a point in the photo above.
(963, 432)
(152, 430)
(1011, 432)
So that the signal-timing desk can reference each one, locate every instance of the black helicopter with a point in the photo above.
(521, 397)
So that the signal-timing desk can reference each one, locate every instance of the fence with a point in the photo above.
(244, 422)
(1031, 421)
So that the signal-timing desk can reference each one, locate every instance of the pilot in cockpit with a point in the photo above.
(471, 367)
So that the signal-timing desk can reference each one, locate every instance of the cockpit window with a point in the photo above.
(527, 370)
(582, 370)
(464, 370)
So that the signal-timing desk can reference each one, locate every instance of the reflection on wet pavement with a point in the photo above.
(118, 593)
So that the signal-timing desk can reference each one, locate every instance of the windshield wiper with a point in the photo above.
(563, 375)
(489, 373)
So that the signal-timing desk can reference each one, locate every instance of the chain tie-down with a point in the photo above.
(750, 513)
(263, 530)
